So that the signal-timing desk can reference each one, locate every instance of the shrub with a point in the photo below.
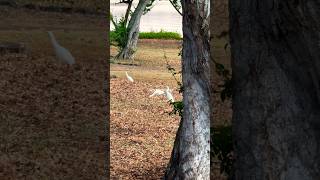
(118, 37)
(160, 35)
(149, 35)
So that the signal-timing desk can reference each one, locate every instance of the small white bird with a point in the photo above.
(157, 92)
(168, 94)
(129, 77)
(62, 53)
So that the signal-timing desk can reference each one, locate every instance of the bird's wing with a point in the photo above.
(169, 96)
(159, 91)
(154, 93)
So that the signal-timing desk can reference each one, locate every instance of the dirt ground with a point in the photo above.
(52, 116)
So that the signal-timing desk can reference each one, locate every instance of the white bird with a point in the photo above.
(129, 77)
(62, 53)
(168, 94)
(157, 92)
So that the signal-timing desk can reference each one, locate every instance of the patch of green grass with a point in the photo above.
(154, 35)
(160, 35)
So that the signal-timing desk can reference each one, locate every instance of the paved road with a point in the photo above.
(162, 16)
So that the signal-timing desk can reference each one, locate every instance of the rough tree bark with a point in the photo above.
(276, 103)
(190, 157)
(133, 31)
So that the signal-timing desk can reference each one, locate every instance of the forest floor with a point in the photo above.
(142, 131)
(52, 116)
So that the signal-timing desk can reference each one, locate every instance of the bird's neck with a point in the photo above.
(53, 40)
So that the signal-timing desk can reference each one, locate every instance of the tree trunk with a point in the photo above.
(276, 103)
(190, 157)
(128, 12)
(133, 31)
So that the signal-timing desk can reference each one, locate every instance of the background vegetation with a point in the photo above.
(152, 35)
(160, 35)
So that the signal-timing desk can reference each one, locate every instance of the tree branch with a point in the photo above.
(175, 7)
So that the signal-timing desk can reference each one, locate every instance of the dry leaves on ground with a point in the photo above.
(51, 119)
(142, 131)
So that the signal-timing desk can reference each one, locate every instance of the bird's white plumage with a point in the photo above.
(168, 94)
(129, 77)
(157, 92)
(62, 53)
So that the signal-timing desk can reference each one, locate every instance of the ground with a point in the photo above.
(142, 131)
(53, 116)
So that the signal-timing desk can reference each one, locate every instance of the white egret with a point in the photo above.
(129, 77)
(157, 92)
(168, 94)
(62, 53)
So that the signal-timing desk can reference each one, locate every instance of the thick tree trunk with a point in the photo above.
(133, 31)
(190, 157)
(276, 103)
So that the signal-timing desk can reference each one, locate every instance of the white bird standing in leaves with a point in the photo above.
(157, 92)
(129, 77)
(62, 53)
(168, 94)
